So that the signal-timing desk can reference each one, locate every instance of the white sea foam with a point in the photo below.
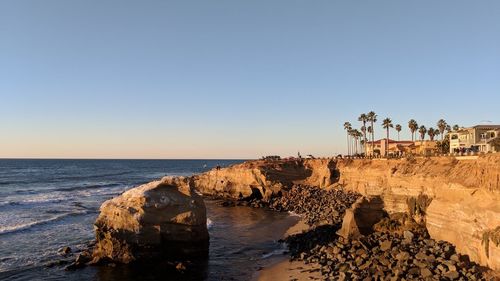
(277, 252)
(209, 223)
(26, 225)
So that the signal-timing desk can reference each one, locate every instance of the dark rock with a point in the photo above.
(57, 263)
(83, 258)
(64, 251)
(414, 271)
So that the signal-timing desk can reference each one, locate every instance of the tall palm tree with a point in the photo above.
(398, 129)
(372, 117)
(356, 135)
(432, 133)
(441, 124)
(351, 144)
(412, 124)
(348, 128)
(387, 124)
(456, 127)
(448, 129)
(360, 137)
(422, 130)
(363, 118)
(369, 130)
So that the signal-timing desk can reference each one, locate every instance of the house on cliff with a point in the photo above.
(399, 148)
(394, 148)
(480, 138)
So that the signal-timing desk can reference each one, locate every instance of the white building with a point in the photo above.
(480, 138)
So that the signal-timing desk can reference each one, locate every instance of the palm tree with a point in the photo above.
(422, 130)
(398, 129)
(448, 129)
(363, 118)
(413, 125)
(351, 144)
(370, 131)
(386, 124)
(356, 135)
(456, 127)
(432, 133)
(348, 128)
(372, 117)
(360, 135)
(441, 124)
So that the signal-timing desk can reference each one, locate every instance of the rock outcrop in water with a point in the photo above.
(161, 219)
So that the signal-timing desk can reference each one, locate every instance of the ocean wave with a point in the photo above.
(88, 175)
(62, 195)
(24, 226)
(9, 203)
(276, 252)
(83, 187)
(55, 178)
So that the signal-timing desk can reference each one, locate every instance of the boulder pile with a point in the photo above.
(398, 249)
(384, 256)
(316, 205)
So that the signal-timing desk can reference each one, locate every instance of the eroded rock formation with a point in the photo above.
(361, 217)
(457, 200)
(161, 219)
(265, 179)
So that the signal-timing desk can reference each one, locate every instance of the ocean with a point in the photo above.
(49, 204)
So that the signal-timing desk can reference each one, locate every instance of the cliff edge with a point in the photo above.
(457, 200)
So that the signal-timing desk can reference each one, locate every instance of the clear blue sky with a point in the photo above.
(236, 79)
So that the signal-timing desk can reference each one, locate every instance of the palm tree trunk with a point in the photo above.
(348, 146)
(387, 146)
(364, 137)
(373, 137)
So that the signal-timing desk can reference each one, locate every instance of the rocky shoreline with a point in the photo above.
(397, 249)
(370, 219)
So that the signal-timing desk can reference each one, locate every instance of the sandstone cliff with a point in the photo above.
(264, 179)
(161, 219)
(458, 200)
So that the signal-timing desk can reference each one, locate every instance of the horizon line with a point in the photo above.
(90, 158)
